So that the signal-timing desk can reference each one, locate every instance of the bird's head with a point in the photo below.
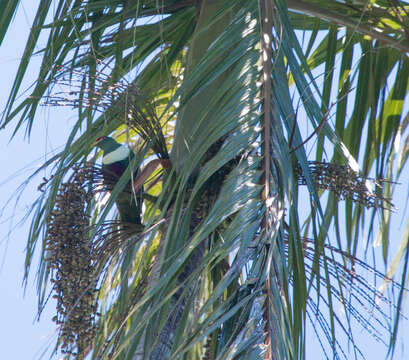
(106, 143)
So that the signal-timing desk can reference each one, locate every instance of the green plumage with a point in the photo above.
(115, 161)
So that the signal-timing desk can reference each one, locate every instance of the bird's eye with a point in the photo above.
(100, 138)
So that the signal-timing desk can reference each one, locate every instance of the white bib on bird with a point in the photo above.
(119, 154)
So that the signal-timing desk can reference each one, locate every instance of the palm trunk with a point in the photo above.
(207, 10)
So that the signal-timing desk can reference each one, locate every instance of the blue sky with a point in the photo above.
(21, 336)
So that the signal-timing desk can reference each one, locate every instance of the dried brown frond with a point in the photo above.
(114, 236)
(141, 117)
(118, 98)
(346, 183)
(74, 91)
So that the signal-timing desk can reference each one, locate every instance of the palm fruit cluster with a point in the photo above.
(345, 183)
(70, 259)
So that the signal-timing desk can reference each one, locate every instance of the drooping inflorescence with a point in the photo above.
(70, 258)
(77, 254)
(345, 183)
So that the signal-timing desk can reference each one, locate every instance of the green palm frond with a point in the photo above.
(7, 10)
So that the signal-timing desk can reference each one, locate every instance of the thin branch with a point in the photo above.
(166, 9)
(349, 22)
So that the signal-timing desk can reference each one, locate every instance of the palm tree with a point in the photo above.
(248, 120)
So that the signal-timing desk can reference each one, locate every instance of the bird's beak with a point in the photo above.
(95, 143)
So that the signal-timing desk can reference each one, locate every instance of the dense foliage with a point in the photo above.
(270, 135)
